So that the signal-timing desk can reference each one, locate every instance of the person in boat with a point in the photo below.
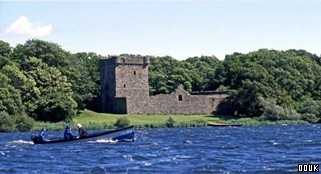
(42, 135)
(68, 134)
(81, 130)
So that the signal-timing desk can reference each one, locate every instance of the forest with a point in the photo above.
(41, 81)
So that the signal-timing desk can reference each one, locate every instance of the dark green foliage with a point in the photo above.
(10, 97)
(170, 122)
(7, 122)
(5, 49)
(24, 123)
(207, 73)
(49, 53)
(46, 82)
(85, 85)
(310, 110)
(122, 122)
(311, 118)
(287, 77)
(194, 74)
(54, 102)
(165, 74)
(10, 123)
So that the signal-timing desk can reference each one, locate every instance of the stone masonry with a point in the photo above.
(125, 89)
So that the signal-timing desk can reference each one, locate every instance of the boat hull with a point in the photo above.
(124, 134)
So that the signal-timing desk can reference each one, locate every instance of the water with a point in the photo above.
(265, 149)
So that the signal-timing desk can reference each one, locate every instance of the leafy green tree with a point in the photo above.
(207, 73)
(50, 53)
(310, 110)
(7, 122)
(166, 74)
(81, 69)
(26, 86)
(85, 85)
(5, 49)
(24, 123)
(55, 102)
(10, 98)
(288, 77)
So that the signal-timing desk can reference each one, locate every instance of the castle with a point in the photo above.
(125, 89)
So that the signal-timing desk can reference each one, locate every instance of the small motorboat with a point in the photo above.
(221, 124)
(124, 134)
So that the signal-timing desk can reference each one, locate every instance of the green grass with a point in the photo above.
(89, 117)
(95, 121)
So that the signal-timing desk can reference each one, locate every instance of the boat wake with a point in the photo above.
(19, 142)
(104, 141)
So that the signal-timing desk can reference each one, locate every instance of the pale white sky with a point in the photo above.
(178, 29)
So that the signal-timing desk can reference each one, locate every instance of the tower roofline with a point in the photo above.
(127, 60)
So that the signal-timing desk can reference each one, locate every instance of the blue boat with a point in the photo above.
(124, 134)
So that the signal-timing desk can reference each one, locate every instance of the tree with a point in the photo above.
(10, 98)
(5, 49)
(55, 102)
(166, 74)
(81, 69)
(50, 53)
(207, 72)
(85, 85)
(288, 77)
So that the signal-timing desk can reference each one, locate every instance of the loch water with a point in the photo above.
(247, 149)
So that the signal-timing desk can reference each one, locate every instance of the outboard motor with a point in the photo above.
(34, 138)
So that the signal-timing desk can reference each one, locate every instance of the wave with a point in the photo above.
(19, 142)
(104, 141)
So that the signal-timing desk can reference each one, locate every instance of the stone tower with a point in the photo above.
(124, 84)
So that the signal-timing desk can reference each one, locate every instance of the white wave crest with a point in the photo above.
(20, 142)
(104, 141)
(128, 157)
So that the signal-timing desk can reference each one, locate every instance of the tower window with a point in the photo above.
(180, 98)
(134, 72)
(124, 85)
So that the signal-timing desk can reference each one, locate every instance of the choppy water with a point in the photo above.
(266, 149)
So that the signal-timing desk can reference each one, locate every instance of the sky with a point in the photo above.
(180, 29)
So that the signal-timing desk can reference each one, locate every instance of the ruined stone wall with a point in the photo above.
(181, 102)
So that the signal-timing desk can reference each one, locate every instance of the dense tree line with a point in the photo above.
(41, 81)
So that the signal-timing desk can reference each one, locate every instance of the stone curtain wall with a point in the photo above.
(125, 89)
(181, 102)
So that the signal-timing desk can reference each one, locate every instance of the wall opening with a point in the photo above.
(180, 98)
(134, 72)
(124, 85)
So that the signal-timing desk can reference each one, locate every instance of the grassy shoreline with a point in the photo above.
(96, 121)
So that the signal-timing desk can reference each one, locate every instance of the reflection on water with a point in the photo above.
(184, 150)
